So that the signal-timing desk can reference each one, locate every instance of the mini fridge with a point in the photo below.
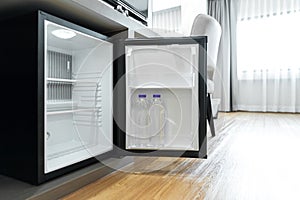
(78, 97)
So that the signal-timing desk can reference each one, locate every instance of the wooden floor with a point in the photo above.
(253, 156)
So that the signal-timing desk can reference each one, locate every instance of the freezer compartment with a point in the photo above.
(176, 59)
(78, 97)
(162, 66)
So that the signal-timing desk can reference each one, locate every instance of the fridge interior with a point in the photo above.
(162, 97)
(78, 96)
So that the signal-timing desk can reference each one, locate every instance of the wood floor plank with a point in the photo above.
(253, 156)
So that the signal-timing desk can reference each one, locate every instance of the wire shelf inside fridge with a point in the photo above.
(61, 80)
(70, 111)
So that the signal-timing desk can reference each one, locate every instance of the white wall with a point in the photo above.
(165, 4)
(190, 9)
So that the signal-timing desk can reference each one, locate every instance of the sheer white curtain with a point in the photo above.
(268, 56)
(167, 20)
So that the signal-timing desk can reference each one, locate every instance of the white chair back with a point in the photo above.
(209, 26)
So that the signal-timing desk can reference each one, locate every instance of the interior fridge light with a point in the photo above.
(64, 34)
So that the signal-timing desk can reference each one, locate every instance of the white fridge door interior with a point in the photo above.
(78, 96)
(162, 97)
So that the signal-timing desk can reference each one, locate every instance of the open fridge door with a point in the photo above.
(165, 97)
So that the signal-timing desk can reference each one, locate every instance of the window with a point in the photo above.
(268, 44)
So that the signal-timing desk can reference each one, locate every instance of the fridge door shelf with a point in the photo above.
(159, 87)
(179, 129)
(182, 144)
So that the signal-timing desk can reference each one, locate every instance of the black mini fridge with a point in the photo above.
(72, 96)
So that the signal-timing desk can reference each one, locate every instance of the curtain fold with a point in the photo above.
(225, 12)
(270, 91)
(167, 20)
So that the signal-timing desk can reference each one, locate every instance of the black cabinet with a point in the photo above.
(58, 113)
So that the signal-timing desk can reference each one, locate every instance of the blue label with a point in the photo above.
(142, 95)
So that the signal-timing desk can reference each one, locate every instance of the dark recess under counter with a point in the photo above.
(12, 189)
